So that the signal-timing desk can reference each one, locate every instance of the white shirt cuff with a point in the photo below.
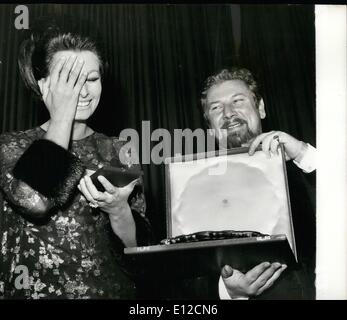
(308, 161)
(223, 293)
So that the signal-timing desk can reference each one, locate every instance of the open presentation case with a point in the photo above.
(224, 191)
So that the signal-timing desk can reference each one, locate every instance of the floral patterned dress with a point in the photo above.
(73, 253)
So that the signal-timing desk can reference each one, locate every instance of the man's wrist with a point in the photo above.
(302, 152)
(224, 294)
(306, 158)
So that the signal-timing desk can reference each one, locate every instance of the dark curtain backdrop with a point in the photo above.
(159, 56)
(278, 43)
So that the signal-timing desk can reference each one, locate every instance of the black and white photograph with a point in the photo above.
(167, 152)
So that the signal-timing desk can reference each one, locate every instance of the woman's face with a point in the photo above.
(89, 96)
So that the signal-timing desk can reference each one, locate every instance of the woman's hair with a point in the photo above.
(46, 38)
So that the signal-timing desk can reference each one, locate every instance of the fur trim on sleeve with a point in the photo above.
(50, 169)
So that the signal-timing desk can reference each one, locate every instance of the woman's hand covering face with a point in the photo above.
(61, 89)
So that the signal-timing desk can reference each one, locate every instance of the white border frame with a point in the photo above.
(331, 88)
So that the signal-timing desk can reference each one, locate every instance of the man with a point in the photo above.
(231, 101)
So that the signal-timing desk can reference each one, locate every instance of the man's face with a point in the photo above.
(231, 106)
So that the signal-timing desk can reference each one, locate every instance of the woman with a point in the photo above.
(60, 236)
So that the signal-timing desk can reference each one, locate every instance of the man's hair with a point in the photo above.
(47, 37)
(233, 74)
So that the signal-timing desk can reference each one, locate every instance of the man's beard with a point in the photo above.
(239, 137)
